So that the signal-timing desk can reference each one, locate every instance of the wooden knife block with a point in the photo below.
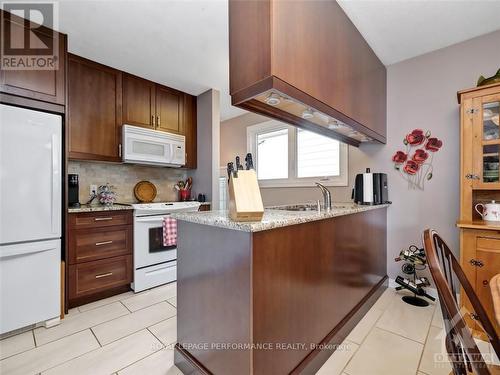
(245, 202)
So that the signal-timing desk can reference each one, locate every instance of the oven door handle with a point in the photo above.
(150, 219)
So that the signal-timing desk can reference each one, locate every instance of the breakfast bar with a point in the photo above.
(275, 296)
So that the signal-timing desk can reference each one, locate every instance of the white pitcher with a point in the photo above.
(489, 211)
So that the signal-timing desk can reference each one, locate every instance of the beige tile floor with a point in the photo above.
(134, 334)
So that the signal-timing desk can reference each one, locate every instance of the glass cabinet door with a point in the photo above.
(488, 147)
(491, 141)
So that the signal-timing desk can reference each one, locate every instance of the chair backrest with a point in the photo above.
(445, 270)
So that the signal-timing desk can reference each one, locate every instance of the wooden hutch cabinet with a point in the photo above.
(479, 183)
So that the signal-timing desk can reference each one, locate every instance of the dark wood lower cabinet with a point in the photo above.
(100, 275)
(305, 284)
(99, 261)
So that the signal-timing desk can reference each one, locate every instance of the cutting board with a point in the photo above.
(245, 201)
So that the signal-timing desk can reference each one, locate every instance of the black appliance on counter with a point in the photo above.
(370, 188)
(73, 191)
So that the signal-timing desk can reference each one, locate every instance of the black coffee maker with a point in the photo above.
(371, 188)
(73, 191)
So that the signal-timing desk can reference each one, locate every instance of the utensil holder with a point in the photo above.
(184, 195)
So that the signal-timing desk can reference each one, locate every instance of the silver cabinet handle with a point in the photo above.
(103, 275)
(103, 218)
(103, 243)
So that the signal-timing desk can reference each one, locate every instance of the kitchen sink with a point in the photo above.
(298, 207)
(309, 207)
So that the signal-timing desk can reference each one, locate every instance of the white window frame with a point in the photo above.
(293, 180)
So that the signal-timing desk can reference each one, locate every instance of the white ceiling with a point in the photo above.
(184, 44)
(400, 29)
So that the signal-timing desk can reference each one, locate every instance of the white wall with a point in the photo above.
(422, 94)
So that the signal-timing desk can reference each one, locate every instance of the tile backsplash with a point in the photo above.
(124, 177)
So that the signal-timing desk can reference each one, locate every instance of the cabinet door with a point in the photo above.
(43, 85)
(189, 129)
(483, 246)
(488, 253)
(169, 109)
(98, 276)
(486, 142)
(94, 110)
(138, 102)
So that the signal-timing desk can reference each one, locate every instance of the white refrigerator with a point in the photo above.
(30, 217)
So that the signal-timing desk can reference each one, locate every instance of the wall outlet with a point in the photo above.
(93, 190)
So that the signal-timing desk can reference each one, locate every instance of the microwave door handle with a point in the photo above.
(171, 153)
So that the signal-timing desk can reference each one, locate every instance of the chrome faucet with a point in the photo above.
(327, 196)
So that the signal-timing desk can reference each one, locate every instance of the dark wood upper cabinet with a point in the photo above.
(169, 109)
(287, 57)
(94, 110)
(151, 105)
(101, 99)
(42, 85)
(138, 102)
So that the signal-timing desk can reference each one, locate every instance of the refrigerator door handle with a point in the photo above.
(55, 183)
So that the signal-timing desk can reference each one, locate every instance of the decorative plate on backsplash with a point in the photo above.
(145, 191)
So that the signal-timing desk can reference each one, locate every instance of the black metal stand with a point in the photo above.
(415, 300)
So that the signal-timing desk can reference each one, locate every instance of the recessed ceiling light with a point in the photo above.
(273, 99)
(334, 124)
(308, 114)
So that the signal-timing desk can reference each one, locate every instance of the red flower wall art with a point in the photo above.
(415, 162)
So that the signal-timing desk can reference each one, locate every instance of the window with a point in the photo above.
(272, 148)
(288, 156)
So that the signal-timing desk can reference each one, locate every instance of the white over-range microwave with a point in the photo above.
(152, 147)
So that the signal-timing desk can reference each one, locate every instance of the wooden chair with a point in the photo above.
(463, 352)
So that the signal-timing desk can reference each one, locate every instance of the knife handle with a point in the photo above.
(239, 167)
(230, 169)
(249, 161)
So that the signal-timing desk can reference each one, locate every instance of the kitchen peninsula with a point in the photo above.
(274, 297)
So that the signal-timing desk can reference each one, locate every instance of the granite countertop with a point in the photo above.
(115, 207)
(98, 208)
(273, 217)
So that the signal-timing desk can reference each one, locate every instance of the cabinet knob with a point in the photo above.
(476, 263)
(159, 119)
(485, 282)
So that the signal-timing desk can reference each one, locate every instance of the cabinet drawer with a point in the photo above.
(488, 243)
(92, 277)
(99, 219)
(98, 243)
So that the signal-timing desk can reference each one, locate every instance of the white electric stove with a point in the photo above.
(155, 264)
